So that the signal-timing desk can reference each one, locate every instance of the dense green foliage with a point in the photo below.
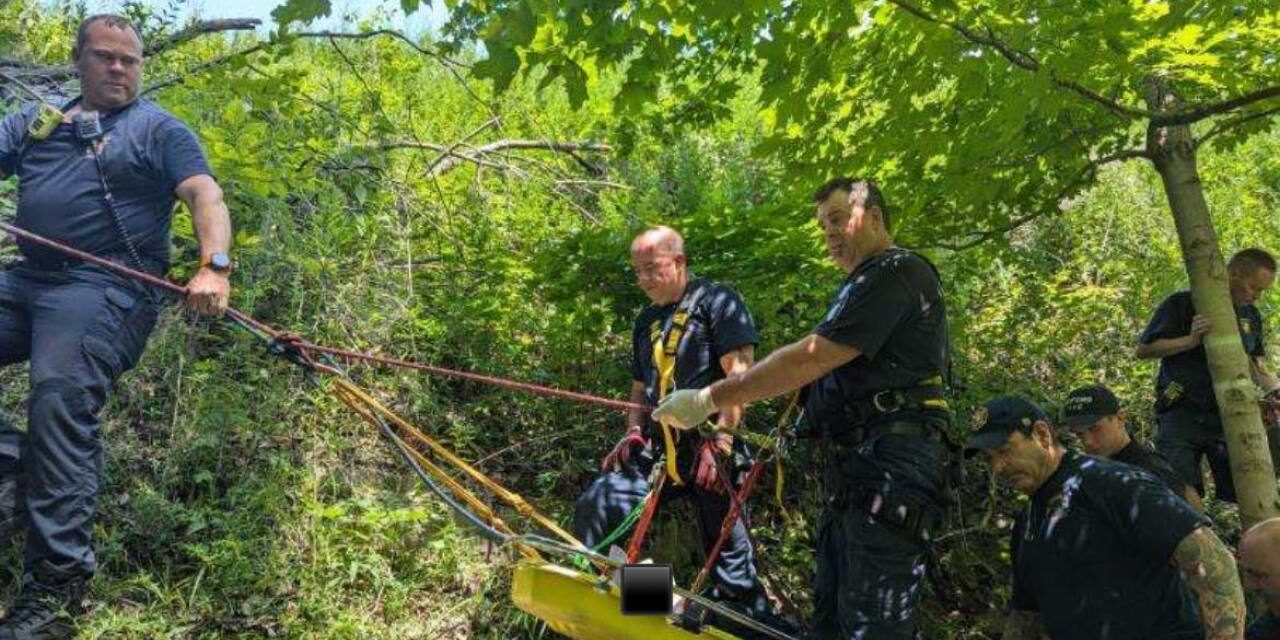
(243, 501)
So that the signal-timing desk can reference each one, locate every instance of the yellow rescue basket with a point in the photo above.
(573, 604)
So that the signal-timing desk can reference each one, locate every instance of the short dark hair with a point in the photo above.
(111, 20)
(1250, 261)
(863, 191)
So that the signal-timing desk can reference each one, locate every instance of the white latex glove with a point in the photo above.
(685, 408)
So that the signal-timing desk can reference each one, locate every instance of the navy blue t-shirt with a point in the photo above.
(1190, 368)
(147, 152)
(1093, 551)
(892, 310)
(718, 324)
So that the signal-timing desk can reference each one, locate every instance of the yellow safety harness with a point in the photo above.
(666, 344)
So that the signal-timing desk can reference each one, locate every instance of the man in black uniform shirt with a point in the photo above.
(694, 333)
(1190, 427)
(1098, 550)
(1260, 565)
(874, 372)
(108, 190)
(1094, 415)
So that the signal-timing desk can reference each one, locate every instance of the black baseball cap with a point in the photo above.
(1000, 417)
(1087, 405)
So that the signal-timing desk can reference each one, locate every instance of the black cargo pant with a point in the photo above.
(870, 571)
(1187, 434)
(79, 328)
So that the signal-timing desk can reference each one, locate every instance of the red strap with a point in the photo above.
(646, 518)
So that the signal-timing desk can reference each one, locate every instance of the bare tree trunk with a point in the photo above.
(1173, 153)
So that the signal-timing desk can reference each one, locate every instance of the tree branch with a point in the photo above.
(62, 72)
(465, 139)
(48, 73)
(1085, 174)
(1028, 62)
(451, 156)
(199, 28)
(362, 35)
(1025, 61)
(1223, 126)
(1199, 113)
(203, 66)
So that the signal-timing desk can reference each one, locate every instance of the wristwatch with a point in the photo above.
(219, 262)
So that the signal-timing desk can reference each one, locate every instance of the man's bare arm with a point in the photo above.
(212, 221)
(1200, 326)
(1165, 347)
(207, 290)
(735, 362)
(786, 369)
(1210, 572)
(1022, 625)
(635, 417)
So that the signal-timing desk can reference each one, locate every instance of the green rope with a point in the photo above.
(627, 523)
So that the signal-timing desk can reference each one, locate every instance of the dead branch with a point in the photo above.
(203, 66)
(62, 72)
(362, 35)
(491, 122)
(452, 155)
(199, 28)
(536, 145)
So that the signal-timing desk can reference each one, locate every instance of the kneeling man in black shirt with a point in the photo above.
(1103, 551)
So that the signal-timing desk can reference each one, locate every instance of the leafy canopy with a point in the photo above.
(977, 114)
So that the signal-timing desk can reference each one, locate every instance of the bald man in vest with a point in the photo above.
(693, 333)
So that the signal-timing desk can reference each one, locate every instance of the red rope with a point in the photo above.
(646, 518)
(302, 346)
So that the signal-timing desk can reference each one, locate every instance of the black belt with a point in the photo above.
(888, 401)
(915, 428)
(152, 267)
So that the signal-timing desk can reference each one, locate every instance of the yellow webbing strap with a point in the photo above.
(940, 403)
(473, 501)
(777, 458)
(664, 360)
(502, 493)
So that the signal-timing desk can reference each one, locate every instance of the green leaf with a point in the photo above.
(501, 65)
(300, 11)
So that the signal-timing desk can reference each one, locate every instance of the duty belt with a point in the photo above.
(930, 395)
(67, 263)
(929, 429)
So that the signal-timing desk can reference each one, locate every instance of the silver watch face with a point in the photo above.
(220, 261)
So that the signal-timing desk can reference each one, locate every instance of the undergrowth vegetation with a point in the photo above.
(242, 500)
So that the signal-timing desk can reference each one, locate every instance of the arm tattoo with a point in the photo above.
(1022, 625)
(1210, 572)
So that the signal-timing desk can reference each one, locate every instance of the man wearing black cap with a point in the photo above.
(1098, 551)
(1093, 413)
